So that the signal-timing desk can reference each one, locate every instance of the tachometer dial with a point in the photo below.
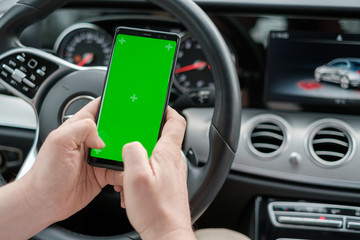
(84, 44)
(192, 70)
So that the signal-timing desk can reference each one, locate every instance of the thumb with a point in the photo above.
(136, 160)
(79, 132)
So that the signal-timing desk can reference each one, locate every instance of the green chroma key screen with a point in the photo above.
(135, 94)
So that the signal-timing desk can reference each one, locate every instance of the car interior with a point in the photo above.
(271, 146)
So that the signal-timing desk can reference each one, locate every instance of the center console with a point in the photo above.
(277, 219)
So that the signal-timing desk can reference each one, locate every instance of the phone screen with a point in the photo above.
(136, 92)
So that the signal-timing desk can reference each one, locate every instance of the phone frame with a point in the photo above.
(118, 165)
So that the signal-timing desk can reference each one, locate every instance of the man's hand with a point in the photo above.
(60, 183)
(155, 190)
(61, 176)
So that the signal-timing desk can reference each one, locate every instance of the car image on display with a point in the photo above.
(269, 90)
(344, 71)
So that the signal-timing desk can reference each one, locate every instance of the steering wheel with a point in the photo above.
(52, 86)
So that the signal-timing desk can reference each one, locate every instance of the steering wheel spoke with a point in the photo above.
(28, 72)
(29, 161)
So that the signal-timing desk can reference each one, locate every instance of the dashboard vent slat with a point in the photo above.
(330, 140)
(268, 127)
(270, 147)
(330, 145)
(266, 138)
(328, 153)
(268, 134)
(334, 133)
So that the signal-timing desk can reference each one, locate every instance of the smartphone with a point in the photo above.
(136, 93)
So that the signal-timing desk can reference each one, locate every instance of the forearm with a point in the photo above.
(21, 218)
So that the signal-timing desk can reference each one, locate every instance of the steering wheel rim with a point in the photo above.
(203, 182)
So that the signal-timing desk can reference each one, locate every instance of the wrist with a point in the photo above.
(22, 217)
(42, 207)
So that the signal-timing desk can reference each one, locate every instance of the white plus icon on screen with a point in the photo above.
(133, 98)
(122, 40)
(169, 47)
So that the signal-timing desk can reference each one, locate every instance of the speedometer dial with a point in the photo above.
(84, 44)
(192, 70)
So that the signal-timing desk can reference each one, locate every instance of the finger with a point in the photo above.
(170, 142)
(82, 131)
(114, 177)
(88, 111)
(117, 188)
(120, 190)
(122, 199)
(136, 160)
(171, 113)
(174, 128)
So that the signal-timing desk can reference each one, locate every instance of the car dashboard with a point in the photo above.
(297, 159)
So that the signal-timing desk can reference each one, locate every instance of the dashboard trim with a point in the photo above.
(19, 115)
(313, 214)
(281, 167)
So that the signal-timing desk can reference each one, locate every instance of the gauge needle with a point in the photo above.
(190, 67)
(86, 59)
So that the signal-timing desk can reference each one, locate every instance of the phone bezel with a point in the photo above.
(114, 164)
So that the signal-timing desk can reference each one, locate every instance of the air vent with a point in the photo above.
(330, 145)
(266, 138)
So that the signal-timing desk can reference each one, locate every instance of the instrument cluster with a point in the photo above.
(88, 44)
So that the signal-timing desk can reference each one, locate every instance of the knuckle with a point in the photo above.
(142, 178)
(88, 123)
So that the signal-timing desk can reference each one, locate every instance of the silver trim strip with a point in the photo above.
(308, 221)
(66, 117)
(353, 225)
(302, 178)
(29, 160)
(335, 219)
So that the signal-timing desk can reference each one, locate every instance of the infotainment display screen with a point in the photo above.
(313, 68)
